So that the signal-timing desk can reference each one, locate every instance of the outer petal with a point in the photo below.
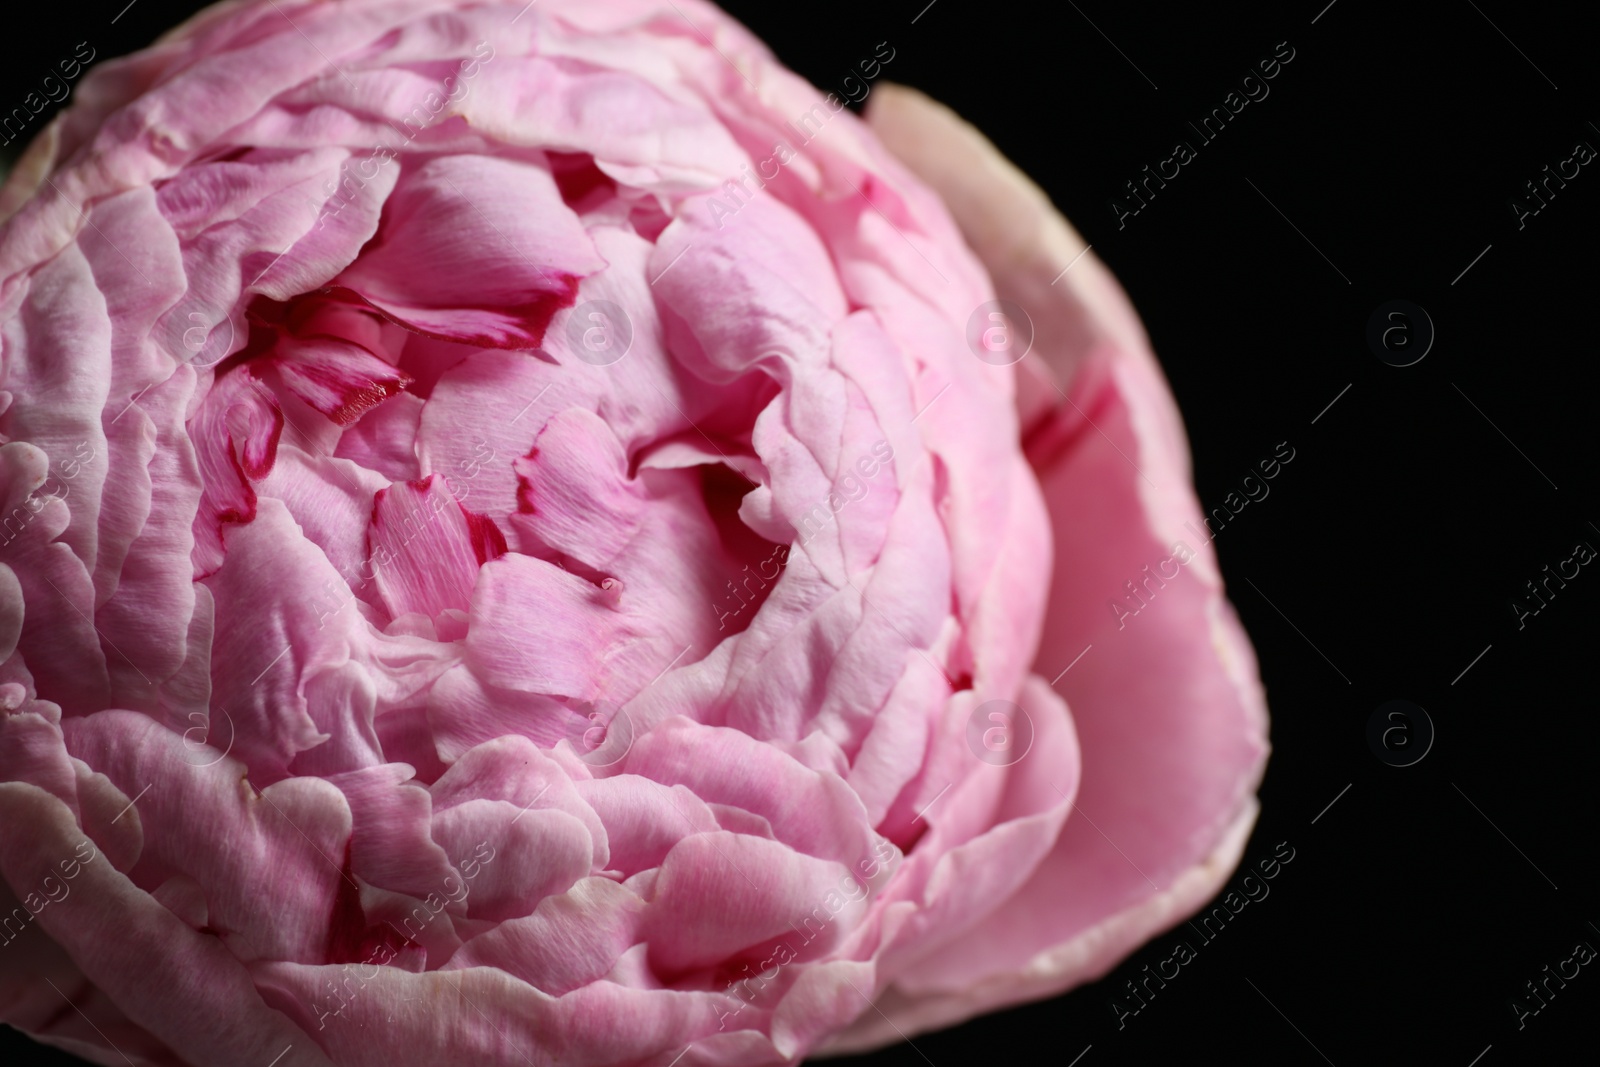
(1171, 756)
(169, 979)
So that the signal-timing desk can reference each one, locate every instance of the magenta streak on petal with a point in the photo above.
(350, 938)
(338, 378)
(487, 540)
(235, 433)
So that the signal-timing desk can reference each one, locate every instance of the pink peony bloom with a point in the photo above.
(526, 541)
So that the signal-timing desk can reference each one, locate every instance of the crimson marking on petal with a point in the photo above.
(525, 503)
(350, 938)
(1055, 434)
(577, 176)
(423, 558)
(256, 454)
(354, 400)
(348, 922)
(487, 540)
(229, 462)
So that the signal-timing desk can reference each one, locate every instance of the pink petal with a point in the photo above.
(645, 819)
(286, 844)
(539, 629)
(569, 941)
(107, 920)
(235, 433)
(479, 250)
(384, 440)
(721, 895)
(391, 845)
(340, 379)
(463, 711)
(425, 549)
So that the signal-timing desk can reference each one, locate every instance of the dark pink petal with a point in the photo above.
(478, 250)
(425, 549)
(340, 379)
(235, 433)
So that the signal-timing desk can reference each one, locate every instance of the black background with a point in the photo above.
(1418, 904)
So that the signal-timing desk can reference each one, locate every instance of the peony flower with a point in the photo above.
(531, 537)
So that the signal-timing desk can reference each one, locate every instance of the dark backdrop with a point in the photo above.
(1381, 167)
